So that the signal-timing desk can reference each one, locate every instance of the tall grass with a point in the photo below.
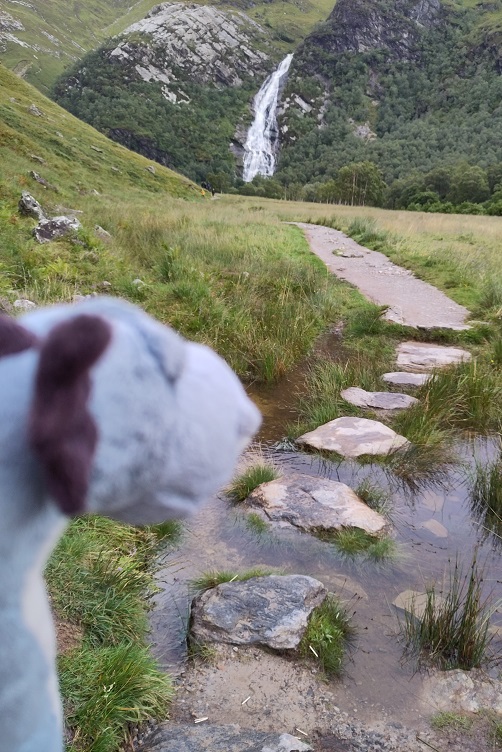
(100, 577)
(108, 689)
(453, 630)
(486, 497)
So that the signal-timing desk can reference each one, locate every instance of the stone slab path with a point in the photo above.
(410, 301)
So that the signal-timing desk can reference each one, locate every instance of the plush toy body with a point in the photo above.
(102, 410)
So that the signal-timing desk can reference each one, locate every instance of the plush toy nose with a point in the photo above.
(250, 420)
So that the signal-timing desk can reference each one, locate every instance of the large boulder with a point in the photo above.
(317, 505)
(57, 227)
(353, 437)
(270, 611)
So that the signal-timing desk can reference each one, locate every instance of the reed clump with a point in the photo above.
(452, 632)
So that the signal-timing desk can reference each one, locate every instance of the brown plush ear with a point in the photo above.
(62, 432)
(13, 337)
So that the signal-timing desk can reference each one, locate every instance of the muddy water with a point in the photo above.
(378, 683)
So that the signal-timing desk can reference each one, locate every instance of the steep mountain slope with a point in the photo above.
(174, 85)
(408, 85)
(39, 39)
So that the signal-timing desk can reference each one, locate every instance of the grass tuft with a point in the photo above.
(251, 478)
(329, 633)
(376, 497)
(256, 523)
(353, 542)
(208, 580)
(449, 720)
(453, 630)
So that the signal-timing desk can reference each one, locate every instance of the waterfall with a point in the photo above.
(259, 149)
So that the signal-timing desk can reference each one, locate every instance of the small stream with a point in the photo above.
(377, 680)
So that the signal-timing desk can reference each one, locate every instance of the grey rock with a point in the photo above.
(352, 437)
(414, 602)
(435, 527)
(403, 378)
(30, 207)
(101, 232)
(378, 400)
(209, 738)
(42, 180)
(419, 356)
(350, 254)
(269, 611)
(463, 691)
(151, 169)
(138, 282)
(33, 110)
(95, 148)
(57, 227)
(24, 305)
(59, 134)
(38, 159)
(316, 505)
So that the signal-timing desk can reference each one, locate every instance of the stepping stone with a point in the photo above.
(414, 602)
(352, 437)
(402, 378)
(419, 356)
(270, 611)
(206, 737)
(315, 505)
(436, 528)
(378, 400)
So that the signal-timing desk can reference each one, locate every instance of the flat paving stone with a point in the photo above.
(420, 356)
(353, 437)
(405, 378)
(316, 505)
(377, 400)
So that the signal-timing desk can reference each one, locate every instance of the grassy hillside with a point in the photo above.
(213, 274)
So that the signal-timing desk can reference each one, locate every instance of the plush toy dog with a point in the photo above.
(102, 410)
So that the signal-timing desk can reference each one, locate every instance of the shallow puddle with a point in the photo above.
(431, 527)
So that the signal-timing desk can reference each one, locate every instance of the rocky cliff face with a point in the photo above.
(362, 25)
(178, 42)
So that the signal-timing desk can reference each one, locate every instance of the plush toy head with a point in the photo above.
(124, 417)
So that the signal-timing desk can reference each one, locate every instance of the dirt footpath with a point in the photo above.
(410, 301)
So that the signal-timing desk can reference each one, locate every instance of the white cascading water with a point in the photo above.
(259, 149)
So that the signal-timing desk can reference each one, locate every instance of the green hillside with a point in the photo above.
(418, 95)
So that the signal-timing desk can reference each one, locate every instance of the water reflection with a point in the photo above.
(431, 525)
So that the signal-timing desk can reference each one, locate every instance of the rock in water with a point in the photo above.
(271, 611)
(316, 505)
(353, 437)
(403, 378)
